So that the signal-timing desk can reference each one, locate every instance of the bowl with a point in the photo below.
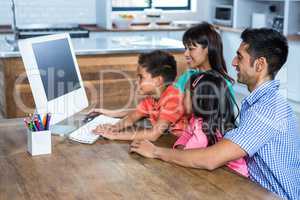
(123, 22)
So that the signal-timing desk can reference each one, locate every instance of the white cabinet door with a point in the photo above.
(177, 35)
(293, 71)
(231, 42)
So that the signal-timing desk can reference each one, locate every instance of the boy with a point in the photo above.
(162, 105)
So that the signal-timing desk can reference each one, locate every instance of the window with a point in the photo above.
(123, 5)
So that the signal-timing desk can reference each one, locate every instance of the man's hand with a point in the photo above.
(144, 148)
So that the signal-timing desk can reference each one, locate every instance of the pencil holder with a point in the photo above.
(39, 142)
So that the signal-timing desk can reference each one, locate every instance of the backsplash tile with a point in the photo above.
(49, 12)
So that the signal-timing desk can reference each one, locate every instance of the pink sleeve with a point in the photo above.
(184, 138)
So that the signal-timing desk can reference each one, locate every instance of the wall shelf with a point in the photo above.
(243, 10)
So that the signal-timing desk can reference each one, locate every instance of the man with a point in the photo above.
(267, 135)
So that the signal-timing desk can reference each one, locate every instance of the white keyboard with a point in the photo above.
(84, 134)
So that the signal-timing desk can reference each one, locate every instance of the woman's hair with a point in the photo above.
(213, 102)
(205, 35)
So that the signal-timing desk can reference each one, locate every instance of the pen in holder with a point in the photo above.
(38, 135)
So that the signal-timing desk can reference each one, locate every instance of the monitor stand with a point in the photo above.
(65, 127)
(62, 130)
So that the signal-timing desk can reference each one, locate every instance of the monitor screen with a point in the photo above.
(56, 66)
(54, 76)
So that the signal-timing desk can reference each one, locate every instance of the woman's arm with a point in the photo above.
(187, 100)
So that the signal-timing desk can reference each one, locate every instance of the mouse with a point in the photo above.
(90, 117)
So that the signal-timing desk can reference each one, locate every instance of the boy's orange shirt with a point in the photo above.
(168, 107)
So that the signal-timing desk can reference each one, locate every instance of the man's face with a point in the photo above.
(246, 72)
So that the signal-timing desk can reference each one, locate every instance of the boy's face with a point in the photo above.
(146, 84)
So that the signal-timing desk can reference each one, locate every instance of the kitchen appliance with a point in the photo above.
(278, 23)
(259, 20)
(185, 23)
(34, 30)
(223, 15)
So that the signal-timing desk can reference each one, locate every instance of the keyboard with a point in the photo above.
(85, 135)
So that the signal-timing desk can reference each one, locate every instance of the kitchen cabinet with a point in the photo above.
(231, 42)
(293, 80)
(109, 80)
(243, 10)
(177, 35)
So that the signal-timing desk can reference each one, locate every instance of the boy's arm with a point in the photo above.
(125, 122)
(111, 113)
(128, 120)
(207, 158)
(148, 134)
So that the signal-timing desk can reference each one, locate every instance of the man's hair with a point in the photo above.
(159, 63)
(267, 43)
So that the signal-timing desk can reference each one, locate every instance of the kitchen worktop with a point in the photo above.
(107, 45)
(136, 27)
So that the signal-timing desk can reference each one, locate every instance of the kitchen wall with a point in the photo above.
(52, 11)
(80, 11)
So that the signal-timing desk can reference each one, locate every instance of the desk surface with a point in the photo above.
(106, 170)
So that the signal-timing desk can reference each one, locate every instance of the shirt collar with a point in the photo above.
(266, 87)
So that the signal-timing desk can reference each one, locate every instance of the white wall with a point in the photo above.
(51, 11)
(80, 11)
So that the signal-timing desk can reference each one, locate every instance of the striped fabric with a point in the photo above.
(268, 132)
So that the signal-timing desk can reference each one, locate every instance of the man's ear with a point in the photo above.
(260, 64)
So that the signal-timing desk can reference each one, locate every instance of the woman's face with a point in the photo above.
(196, 56)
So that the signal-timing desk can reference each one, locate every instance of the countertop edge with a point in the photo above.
(4, 55)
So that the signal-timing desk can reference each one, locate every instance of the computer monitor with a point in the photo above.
(54, 76)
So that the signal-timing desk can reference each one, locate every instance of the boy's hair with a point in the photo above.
(213, 102)
(206, 35)
(267, 43)
(159, 63)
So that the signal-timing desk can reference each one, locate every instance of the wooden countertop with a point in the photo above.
(5, 29)
(106, 170)
(229, 29)
(293, 37)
